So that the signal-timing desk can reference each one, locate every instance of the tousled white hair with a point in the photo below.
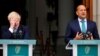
(14, 14)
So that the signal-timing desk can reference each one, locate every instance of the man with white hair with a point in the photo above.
(15, 30)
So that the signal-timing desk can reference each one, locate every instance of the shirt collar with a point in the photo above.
(81, 19)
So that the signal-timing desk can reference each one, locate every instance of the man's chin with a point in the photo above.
(82, 17)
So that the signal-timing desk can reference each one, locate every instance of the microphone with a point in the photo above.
(15, 28)
(87, 35)
(15, 31)
(20, 33)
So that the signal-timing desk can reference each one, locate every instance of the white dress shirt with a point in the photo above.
(12, 30)
(80, 23)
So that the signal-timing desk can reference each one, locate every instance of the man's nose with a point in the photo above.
(83, 11)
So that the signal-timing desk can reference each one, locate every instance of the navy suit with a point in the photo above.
(74, 27)
(21, 33)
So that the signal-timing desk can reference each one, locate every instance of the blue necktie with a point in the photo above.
(83, 26)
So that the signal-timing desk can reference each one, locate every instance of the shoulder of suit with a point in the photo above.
(4, 27)
(73, 21)
(90, 21)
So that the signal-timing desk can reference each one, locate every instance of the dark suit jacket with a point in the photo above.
(74, 27)
(21, 33)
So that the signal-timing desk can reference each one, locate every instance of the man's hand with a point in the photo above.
(78, 36)
(12, 24)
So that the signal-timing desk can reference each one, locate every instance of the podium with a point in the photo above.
(85, 47)
(17, 47)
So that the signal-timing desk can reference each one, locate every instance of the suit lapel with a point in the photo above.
(77, 26)
(88, 26)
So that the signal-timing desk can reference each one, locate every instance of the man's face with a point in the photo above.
(81, 11)
(14, 21)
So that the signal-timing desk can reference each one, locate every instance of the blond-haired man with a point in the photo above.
(15, 30)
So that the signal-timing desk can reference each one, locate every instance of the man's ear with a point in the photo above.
(76, 13)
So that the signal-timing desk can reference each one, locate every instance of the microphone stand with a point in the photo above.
(20, 33)
(14, 33)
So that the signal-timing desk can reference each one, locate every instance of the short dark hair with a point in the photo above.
(79, 5)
